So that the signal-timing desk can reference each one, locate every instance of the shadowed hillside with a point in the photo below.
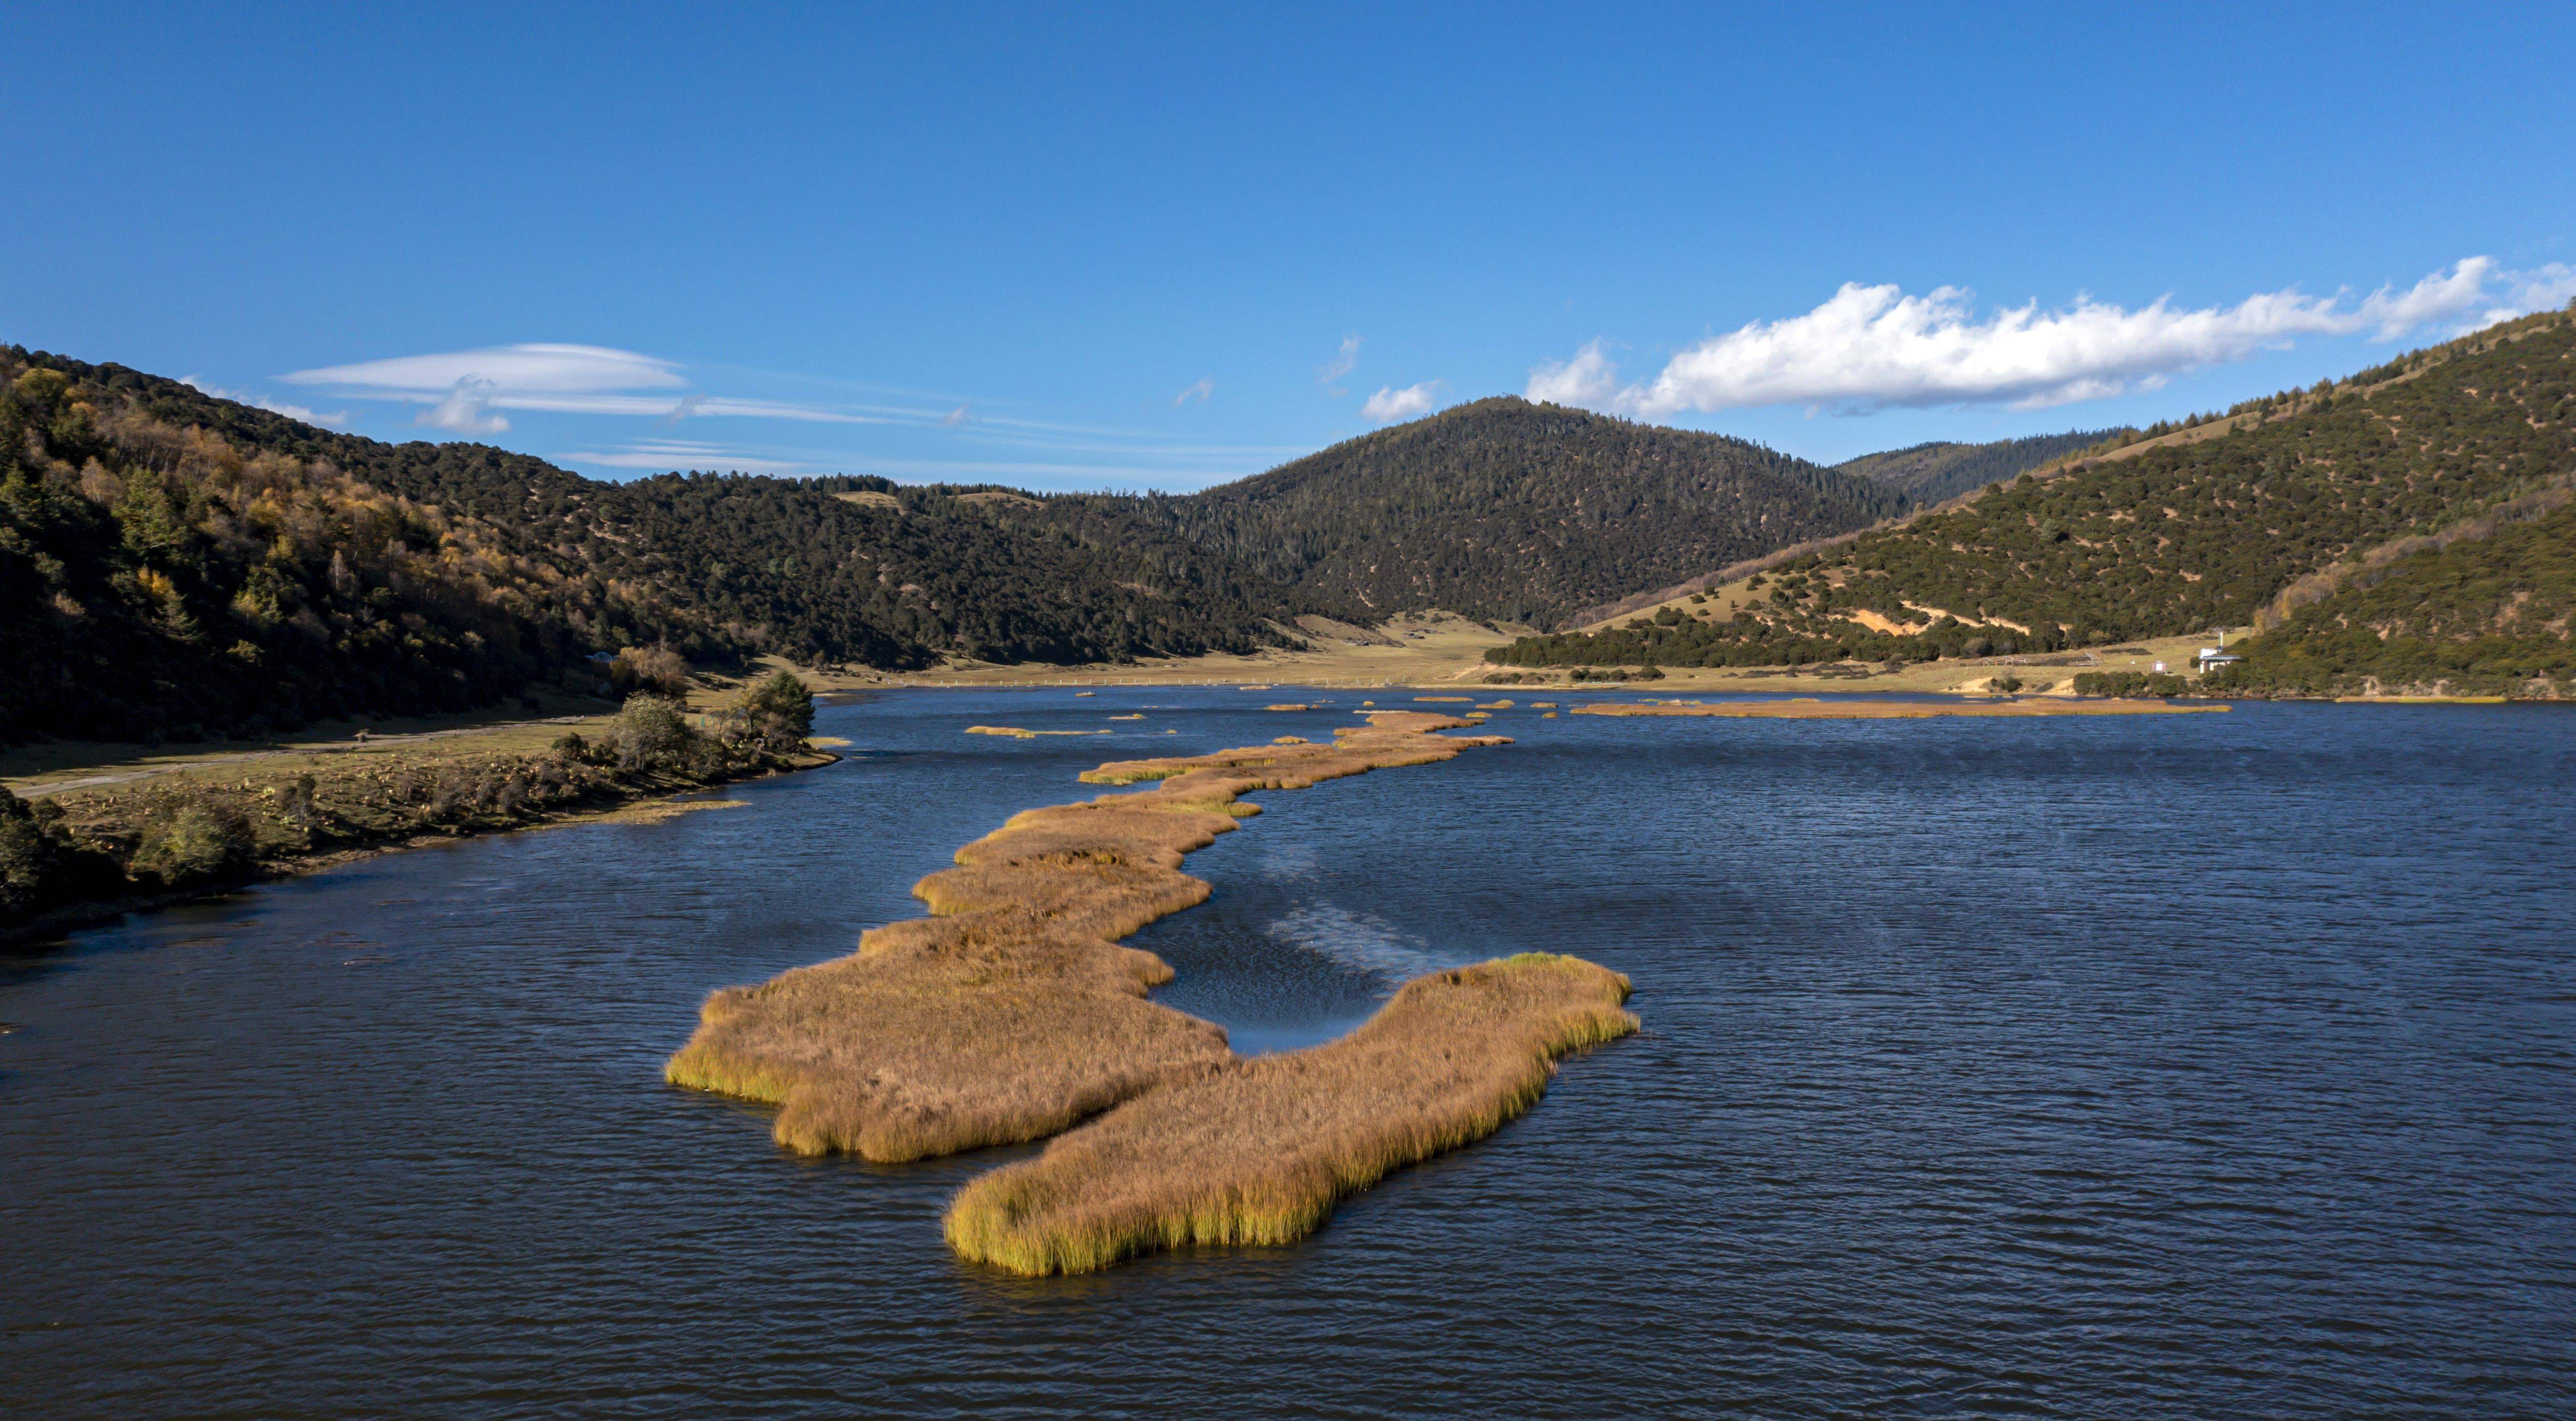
(1937, 472)
(1506, 509)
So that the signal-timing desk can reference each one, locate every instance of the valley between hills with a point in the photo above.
(208, 605)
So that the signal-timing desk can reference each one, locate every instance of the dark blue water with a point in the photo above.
(2188, 1066)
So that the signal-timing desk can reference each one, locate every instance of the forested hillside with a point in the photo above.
(158, 578)
(2483, 608)
(175, 563)
(2163, 539)
(1506, 509)
(1938, 472)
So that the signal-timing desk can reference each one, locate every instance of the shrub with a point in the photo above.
(2128, 683)
(651, 730)
(40, 863)
(654, 670)
(778, 713)
(2006, 684)
(193, 841)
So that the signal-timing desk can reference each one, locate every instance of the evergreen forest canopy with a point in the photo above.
(2207, 527)
(1938, 472)
(1506, 510)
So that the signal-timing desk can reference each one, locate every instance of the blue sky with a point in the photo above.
(1086, 247)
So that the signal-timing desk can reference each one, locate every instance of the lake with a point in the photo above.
(2212, 1065)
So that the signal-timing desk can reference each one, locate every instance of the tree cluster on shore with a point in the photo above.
(97, 847)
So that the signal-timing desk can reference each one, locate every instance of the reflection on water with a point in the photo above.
(2216, 1066)
(1362, 942)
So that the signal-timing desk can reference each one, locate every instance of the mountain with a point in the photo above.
(1938, 472)
(1504, 509)
(175, 563)
(2196, 528)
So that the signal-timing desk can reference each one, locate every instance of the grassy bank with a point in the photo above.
(1258, 1151)
(91, 840)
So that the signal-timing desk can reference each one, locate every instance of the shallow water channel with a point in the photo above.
(2213, 1065)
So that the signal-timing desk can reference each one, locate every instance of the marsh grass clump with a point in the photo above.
(1012, 1012)
(1258, 1151)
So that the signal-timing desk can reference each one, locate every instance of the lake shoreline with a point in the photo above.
(601, 802)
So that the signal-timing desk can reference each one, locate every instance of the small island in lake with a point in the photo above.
(1012, 1014)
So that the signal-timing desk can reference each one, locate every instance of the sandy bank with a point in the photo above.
(1890, 710)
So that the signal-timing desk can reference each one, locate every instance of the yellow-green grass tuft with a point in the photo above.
(1259, 1151)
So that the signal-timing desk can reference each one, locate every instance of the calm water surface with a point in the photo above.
(2188, 1066)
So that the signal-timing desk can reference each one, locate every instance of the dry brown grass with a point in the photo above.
(1258, 1151)
(1012, 1012)
(1892, 710)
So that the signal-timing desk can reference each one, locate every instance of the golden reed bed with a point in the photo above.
(1888, 710)
(1012, 1013)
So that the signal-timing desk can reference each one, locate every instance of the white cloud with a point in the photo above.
(666, 455)
(1871, 347)
(463, 387)
(1197, 392)
(2543, 288)
(332, 420)
(1344, 361)
(1589, 379)
(466, 409)
(526, 369)
(1391, 404)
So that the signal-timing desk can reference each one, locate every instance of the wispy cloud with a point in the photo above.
(666, 455)
(463, 388)
(953, 418)
(1872, 347)
(534, 369)
(1197, 393)
(466, 410)
(1391, 404)
(332, 420)
(2539, 289)
(1344, 361)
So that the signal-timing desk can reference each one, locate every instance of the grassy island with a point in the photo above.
(1011, 1013)
(1258, 1151)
